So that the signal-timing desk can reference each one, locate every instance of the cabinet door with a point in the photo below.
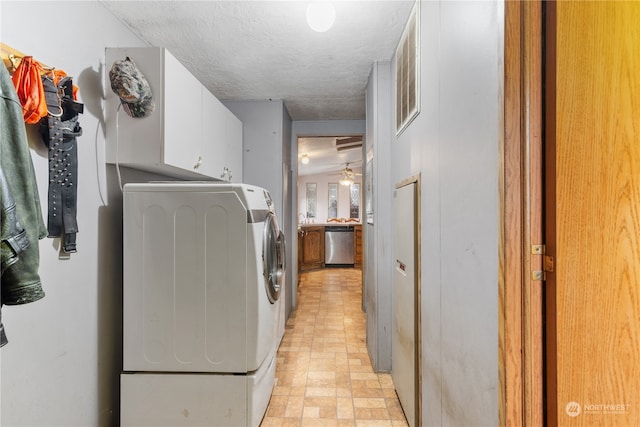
(182, 115)
(313, 247)
(213, 145)
(357, 247)
(300, 246)
(234, 146)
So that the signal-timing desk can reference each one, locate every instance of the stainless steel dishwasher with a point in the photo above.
(338, 245)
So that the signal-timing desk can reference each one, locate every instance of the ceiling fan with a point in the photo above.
(348, 143)
(347, 175)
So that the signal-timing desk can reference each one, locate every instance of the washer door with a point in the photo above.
(273, 257)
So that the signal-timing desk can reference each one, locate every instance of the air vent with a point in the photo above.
(407, 72)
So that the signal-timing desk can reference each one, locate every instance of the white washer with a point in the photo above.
(203, 266)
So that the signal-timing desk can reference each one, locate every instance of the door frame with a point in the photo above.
(416, 180)
(521, 338)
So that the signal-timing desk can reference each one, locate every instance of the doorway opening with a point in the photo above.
(329, 169)
(329, 201)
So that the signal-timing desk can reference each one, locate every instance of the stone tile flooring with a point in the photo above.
(323, 372)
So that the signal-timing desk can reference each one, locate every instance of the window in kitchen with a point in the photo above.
(408, 72)
(354, 201)
(312, 192)
(333, 200)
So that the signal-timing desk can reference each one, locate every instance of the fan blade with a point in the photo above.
(348, 143)
(350, 140)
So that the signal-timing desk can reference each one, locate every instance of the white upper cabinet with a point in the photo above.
(213, 147)
(189, 135)
(182, 116)
(234, 146)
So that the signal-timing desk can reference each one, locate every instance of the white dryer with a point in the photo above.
(203, 268)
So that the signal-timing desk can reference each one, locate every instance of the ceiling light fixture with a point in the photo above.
(321, 16)
(346, 181)
(304, 159)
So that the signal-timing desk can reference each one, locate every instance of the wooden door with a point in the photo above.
(593, 213)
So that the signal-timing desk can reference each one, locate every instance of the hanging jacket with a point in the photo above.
(13, 237)
(20, 281)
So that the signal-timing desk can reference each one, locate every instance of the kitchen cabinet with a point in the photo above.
(189, 135)
(357, 246)
(311, 247)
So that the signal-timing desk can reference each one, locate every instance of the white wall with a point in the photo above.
(262, 145)
(267, 164)
(454, 144)
(322, 195)
(62, 362)
(377, 275)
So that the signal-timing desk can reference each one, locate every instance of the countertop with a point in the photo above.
(327, 224)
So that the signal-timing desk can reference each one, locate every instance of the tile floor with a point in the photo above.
(323, 372)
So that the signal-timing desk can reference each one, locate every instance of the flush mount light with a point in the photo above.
(320, 16)
(304, 159)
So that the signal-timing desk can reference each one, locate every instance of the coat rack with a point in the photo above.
(12, 57)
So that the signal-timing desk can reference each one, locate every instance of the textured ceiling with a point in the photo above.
(253, 50)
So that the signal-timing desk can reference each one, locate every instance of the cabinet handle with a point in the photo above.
(198, 163)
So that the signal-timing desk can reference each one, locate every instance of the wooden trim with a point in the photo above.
(521, 369)
(533, 343)
(550, 350)
(510, 251)
(415, 179)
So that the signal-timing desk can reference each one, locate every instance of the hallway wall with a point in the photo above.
(377, 275)
(266, 159)
(61, 366)
(454, 145)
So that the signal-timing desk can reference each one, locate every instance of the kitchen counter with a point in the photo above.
(328, 224)
(311, 244)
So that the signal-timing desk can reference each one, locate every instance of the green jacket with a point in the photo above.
(20, 282)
